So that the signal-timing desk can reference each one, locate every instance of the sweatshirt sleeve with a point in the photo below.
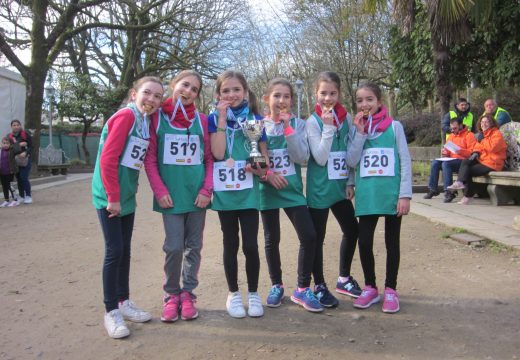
(118, 126)
(151, 163)
(207, 186)
(405, 160)
(297, 144)
(320, 142)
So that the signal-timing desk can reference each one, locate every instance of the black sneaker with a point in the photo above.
(324, 296)
(430, 194)
(349, 287)
(449, 196)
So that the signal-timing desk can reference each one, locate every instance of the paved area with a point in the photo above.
(480, 217)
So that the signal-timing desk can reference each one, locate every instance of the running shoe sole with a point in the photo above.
(387, 311)
(299, 302)
(190, 318)
(374, 301)
(345, 292)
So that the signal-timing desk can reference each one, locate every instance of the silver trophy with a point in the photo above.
(253, 129)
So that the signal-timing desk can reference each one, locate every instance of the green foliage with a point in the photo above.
(492, 55)
(412, 62)
(82, 101)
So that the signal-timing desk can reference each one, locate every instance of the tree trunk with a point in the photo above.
(86, 128)
(33, 105)
(442, 77)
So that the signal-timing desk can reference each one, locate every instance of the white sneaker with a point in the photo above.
(14, 203)
(27, 200)
(131, 312)
(255, 308)
(234, 305)
(115, 325)
(4, 204)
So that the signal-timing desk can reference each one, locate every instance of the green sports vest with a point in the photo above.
(378, 195)
(127, 178)
(292, 194)
(183, 181)
(237, 199)
(322, 193)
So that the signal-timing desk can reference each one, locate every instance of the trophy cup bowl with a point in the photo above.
(252, 130)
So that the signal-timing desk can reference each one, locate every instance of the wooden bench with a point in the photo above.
(503, 187)
(55, 169)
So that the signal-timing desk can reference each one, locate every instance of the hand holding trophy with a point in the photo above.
(253, 129)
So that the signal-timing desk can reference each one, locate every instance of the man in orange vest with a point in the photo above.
(464, 140)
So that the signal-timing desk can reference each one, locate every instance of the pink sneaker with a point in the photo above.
(391, 302)
(457, 185)
(188, 309)
(464, 201)
(368, 297)
(171, 306)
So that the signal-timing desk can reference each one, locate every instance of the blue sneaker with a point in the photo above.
(307, 299)
(349, 287)
(274, 299)
(324, 296)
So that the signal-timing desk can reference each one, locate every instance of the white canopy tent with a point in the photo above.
(12, 99)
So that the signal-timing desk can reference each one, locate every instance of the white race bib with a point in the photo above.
(337, 165)
(181, 150)
(231, 178)
(280, 162)
(377, 162)
(135, 152)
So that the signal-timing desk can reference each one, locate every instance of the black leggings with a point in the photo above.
(249, 223)
(302, 222)
(343, 211)
(367, 227)
(6, 185)
(117, 232)
(469, 168)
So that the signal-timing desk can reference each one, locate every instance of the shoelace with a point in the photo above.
(118, 319)
(310, 295)
(275, 291)
(389, 297)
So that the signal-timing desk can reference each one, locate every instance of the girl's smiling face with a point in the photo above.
(232, 90)
(187, 89)
(148, 97)
(279, 100)
(366, 100)
(327, 95)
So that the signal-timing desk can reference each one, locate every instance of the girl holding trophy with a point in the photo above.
(179, 166)
(328, 174)
(236, 193)
(283, 189)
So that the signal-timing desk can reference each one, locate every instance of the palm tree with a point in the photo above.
(449, 24)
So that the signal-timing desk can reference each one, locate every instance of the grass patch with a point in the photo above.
(421, 168)
(499, 248)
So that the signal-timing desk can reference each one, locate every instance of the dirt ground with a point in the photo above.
(456, 301)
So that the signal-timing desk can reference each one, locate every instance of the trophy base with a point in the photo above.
(253, 160)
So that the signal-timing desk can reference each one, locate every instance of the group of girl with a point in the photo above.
(194, 162)
(15, 161)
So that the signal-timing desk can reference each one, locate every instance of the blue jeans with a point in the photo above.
(117, 232)
(448, 168)
(22, 178)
